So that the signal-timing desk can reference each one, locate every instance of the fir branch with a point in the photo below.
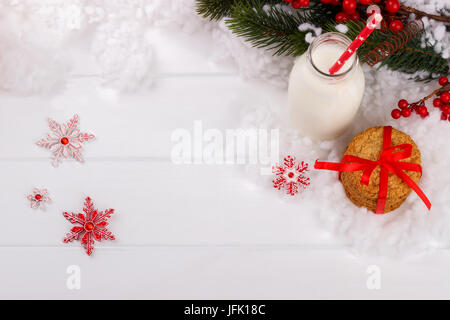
(273, 26)
(218, 9)
(214, 9)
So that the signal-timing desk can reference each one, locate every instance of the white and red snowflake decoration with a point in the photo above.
(91, 226)
(65, 140)
(38, 198)
(290, 176)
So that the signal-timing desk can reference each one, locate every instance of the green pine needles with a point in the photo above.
(272, 25)
(215, 9)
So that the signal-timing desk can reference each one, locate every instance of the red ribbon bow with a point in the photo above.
(388, 161)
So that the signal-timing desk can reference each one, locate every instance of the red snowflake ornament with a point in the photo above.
(38, 198)
(290, 176)
(92, 227)
(65, 140)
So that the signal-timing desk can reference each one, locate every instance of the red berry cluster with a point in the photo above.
(406, 109)
(296, 4)
(442, 102)
(351, 9)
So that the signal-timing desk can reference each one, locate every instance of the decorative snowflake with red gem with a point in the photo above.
(65, 140)
(38, 198)
(92, 226)
(290, 176)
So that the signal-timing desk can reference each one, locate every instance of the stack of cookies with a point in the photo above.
(368, 145)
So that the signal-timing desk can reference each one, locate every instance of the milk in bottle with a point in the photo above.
(323, 106)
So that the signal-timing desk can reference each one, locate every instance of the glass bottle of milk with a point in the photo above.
(323, 106)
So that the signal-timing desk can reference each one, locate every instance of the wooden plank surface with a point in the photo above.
(183, 231)
(193, 272)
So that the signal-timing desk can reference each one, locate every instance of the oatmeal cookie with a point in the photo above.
(368, 145)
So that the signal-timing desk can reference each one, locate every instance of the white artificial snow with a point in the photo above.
(309, 37)
(124, 59)
(342, 28)
(40, 38)
(252, 63)
(25, 47)
(439, 32)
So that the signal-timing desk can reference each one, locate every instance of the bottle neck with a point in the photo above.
(339, 42)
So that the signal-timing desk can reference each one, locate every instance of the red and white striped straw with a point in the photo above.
(360, 38)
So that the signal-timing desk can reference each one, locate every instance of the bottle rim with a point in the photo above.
(331, 37)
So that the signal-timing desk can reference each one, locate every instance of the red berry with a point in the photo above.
(354, 16)
(349, 5)
(406, 113)
(365, 2)
(38, 197)
(296, 4)
(396, 25)
(422, 111)
(396, 113)
(64, 141)
(443, 116)
(392, 6)
(437, 103)
(403, 104)
(325, 1)
(304, 3)
(376, 1)
(445, 97)
(287, 0)
(341, 17)
(443, 81)
(335, 2)
(446, 109)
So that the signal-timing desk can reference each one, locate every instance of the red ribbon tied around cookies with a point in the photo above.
(389, 161)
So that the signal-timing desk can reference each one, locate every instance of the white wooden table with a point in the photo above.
(183, 231)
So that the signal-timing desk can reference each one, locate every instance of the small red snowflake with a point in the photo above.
(65, 140)
(290, 176)
(92, 227)
(38, 198)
